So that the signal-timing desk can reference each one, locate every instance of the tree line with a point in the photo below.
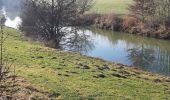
(154, 11)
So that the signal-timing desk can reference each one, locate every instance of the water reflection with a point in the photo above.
(77, 40)
(81, 45)
(141, 56)
(146, 53)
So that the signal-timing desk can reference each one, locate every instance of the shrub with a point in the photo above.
(86, 20)
(129, 22)
(109, 22)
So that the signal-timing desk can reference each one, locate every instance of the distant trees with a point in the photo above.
(163, 11)
(50, 19)
(139, 8)
(152, 10)
(142, 8)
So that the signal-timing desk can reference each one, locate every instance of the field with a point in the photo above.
(72, 76)
(111, 6)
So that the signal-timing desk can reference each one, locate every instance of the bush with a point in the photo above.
(86, 20)
(109, 22)
(129, 22)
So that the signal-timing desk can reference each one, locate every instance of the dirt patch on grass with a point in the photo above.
(23, 90)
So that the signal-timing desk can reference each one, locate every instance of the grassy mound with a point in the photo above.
(73, 76)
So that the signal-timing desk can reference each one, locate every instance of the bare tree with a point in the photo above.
(139, 8)
(49, 19)
(143, 8)
(156, 10)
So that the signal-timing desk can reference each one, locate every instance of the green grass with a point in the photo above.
(111, 6)
(61, 73)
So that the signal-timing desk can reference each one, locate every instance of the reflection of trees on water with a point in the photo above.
(151, 59)
(131, 39)
(141, 56)
(75, 40)
(163, 60)
(147, 53)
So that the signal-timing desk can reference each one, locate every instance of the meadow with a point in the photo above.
(72, 76)
(111, 6)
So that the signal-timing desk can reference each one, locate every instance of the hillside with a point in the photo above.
(73, 76)
(111, 6)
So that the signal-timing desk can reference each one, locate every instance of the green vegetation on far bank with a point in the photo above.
(111, 6)
(149, 23)
(72, 76)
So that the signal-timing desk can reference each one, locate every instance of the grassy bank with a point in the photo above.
(114, 15)
(72, 76)
(110, 6)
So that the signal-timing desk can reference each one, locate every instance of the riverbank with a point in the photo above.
(125, 23)
(68, 75)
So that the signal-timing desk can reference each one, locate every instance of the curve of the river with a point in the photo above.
(145, 53)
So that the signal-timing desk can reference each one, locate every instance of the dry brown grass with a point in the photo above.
(129, 22)
(109, 22)
(23, 90)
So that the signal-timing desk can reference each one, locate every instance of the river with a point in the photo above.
(149, 54)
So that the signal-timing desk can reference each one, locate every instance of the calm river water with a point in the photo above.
(145, 53)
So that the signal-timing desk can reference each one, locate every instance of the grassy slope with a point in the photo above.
(61, 73)
(111, 6)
